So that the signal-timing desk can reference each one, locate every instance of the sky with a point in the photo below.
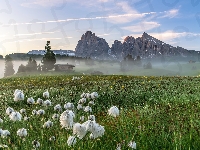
(27, 24)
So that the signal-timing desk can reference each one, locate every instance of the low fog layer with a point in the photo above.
(16, 65)
(173, 68)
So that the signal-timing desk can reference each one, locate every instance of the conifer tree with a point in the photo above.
(21, 68)
(8, 66)
(31, 65)
(49, 58)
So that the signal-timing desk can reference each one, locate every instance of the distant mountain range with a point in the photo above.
(146, 46)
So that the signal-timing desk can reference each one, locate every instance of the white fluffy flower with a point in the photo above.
(16, 91)
(91, 103)
(98, 132)
(79, 130)
(91, 117)
(82, 118)
(75, 78)
(34, 112)
(47, 103)
(58, 107)
(46, 94)
(30, 100)
(94, 95)
(132, 144)
(48, 124)
(55, 116)
(90, 125)
(22, 111)
(19, 96)
(1, 120)
(15, 116)
(9, 110)
(4, 133)
(118, 146)
(22, 132)
(36, 144)
(69, 106)
(83, 95)
(113, 111)
(40, 112)
(52, 138)
(71, 141)
(40, 101)
(26, 118)
(88, 95)
(67, 119)
(95, 129)
(88, 109)
(79, 106)
(82, 100)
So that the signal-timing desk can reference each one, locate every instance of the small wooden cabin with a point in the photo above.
(192, 61)
(64, 67)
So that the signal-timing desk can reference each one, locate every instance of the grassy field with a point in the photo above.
(155, 112)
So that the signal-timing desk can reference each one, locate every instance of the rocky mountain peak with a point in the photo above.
(92, 46)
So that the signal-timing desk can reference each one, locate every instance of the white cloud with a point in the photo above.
(132, 13)
(30, 40)
(43, 3)
(170, 14)
(105, 1)
(103, 34)
(167, 36)
(114, 17)
(51, 3)
(142, 26)
(38, 33)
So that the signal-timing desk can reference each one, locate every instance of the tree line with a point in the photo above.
(47, 61)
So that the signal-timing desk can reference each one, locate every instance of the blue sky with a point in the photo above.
(28, 24)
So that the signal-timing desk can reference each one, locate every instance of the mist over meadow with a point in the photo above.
(17, 63)
(169, 68)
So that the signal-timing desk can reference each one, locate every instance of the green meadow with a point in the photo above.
(157, 112)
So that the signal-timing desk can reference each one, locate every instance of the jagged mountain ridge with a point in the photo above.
(92, 46)
(145, 47)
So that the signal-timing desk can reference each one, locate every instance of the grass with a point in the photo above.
(155, 112)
